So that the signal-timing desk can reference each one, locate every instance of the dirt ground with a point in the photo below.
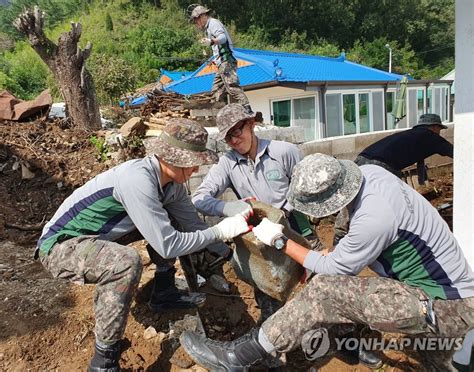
(47, 324)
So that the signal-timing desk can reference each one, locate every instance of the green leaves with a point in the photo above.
(133, 39)
(113, 77)
(101, 147)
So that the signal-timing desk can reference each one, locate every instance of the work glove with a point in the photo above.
(230, 227)
(237, 207)
(267, 232)
(205, 41)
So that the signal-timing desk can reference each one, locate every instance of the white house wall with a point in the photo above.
(463, 217)
(261, 99)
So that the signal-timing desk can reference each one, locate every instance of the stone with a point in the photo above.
(134, 126)
(26, 174)
(267, 268)
(219, 283)
(149, 333)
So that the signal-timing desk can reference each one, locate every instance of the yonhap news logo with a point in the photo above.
(316, 343)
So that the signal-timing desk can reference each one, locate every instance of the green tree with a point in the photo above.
(375, 54)
(57, 11)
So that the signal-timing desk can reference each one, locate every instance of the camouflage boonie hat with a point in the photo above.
(321, 185)
(229, 116)
(182, 143)
(196, 10)
(429, 119)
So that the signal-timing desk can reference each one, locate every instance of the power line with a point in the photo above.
(430, 50)
(181, 58)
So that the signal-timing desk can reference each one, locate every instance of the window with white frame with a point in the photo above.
(437, 101)
(390, 99)
(282, 113)
(356, 113)
(297, 112)
(420, 97)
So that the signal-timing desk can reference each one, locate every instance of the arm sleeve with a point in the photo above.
(217, 31)
(184, 212)
(213, 186)
(369, 233)
(139, 196)
(442, 146)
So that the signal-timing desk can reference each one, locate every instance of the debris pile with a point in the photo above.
(161, 106)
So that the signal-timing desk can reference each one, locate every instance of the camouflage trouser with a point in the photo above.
(226, 82)
(114, 268)
(380, 303)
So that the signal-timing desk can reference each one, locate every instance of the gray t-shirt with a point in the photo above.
(267, 179)
(396, 231)
(128, 197)
(216, 30)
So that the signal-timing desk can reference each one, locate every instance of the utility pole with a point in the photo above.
(389, 57)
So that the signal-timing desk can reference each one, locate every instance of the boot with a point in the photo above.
(365, 357)
(165, 295)
(369, 359)
(105, 359)
(233, 356)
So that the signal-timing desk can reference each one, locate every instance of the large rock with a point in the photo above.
(134, 126)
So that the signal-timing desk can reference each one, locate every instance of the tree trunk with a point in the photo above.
(67, 63)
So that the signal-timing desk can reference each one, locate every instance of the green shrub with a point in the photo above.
(109, 25)
(113, 77)
(11, 85)
(27, 69)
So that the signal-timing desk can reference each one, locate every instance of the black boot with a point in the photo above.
(369, 359)
(105, 359)
(166, 296)
(233, 356)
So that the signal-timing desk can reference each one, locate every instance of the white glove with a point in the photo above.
(237, 207)
(205, 41)
(267, 232)
(230, 227)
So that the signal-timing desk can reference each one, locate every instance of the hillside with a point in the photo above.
(134, 39)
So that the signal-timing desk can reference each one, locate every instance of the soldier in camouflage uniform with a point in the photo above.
(425, 287)
(253, 168)
(80, 244)
(226, 80)
(400, 150)
(258, 168)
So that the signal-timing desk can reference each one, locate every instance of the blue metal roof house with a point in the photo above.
(168, 77)
(325, 96)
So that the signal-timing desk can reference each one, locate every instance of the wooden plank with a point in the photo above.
(204, 112)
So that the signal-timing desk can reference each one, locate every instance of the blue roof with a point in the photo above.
(175, 75)
(261, 66)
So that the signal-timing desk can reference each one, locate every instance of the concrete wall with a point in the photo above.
(348, 147)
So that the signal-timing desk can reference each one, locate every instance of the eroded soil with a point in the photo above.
(47, 324)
